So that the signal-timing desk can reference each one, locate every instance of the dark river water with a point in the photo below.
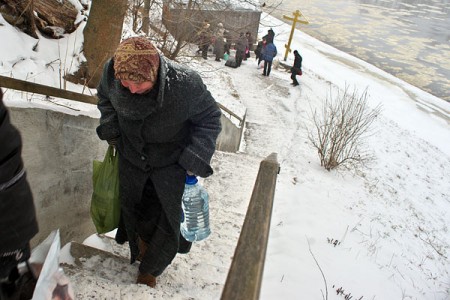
(409, 39)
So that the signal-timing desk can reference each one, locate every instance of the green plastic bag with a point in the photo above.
(105, 203)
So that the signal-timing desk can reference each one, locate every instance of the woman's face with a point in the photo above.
(137, 87)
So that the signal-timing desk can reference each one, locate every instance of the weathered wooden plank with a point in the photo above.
(32, 87)
(246, 271)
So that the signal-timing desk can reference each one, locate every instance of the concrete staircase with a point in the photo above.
(99, 274)
(201, 274)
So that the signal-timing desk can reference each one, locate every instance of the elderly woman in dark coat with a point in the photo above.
(18, 224)
(164, 123)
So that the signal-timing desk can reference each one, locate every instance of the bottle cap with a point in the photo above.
(191, 179)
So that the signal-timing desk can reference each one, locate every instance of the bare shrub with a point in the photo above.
(340, 129)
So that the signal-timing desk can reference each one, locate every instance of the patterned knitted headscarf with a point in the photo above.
(136, 59)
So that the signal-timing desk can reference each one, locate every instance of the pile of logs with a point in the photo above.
(52, 18)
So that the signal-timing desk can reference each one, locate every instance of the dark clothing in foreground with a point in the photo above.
(161, 134)
(18, 224)
(296, 68)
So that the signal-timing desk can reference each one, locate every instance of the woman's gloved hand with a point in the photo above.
(112, 142)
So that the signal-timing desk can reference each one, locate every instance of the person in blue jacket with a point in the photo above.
(268, 53)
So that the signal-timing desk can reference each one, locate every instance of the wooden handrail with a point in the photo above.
(31, 87)
(245, 275)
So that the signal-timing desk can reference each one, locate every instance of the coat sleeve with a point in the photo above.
(18, 223)
(109, 124)
(205, 128)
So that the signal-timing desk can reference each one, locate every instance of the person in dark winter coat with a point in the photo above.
(268, 53)
(219, 47)
(204, 39)
(18, 223)
(258, 51)
(219, 44)
(164, 123)
(241, 45)
(228, 41)
(269, 36)
(296, 68)
(249, 40)
(249, 37)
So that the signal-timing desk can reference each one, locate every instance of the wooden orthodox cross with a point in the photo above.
(295, 20)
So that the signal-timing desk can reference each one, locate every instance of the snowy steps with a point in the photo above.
(95, 269)
(107, 274)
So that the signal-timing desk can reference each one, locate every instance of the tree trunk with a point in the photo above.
(146, 17)
(102, 35)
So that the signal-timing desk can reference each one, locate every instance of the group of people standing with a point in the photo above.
(221, 41)
(217, 38)
(266, 50)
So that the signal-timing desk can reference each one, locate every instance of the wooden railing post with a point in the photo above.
(245, 275)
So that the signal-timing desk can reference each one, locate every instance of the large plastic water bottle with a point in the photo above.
(195, 215)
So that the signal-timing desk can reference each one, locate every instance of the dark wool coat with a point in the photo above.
(241, 43)
(250, 42)
(161, 134)
(269, 36)
(297, 61)
(18, 222)
(258, 49)
(219, 48)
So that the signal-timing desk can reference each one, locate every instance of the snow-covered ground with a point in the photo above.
(390, 220)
